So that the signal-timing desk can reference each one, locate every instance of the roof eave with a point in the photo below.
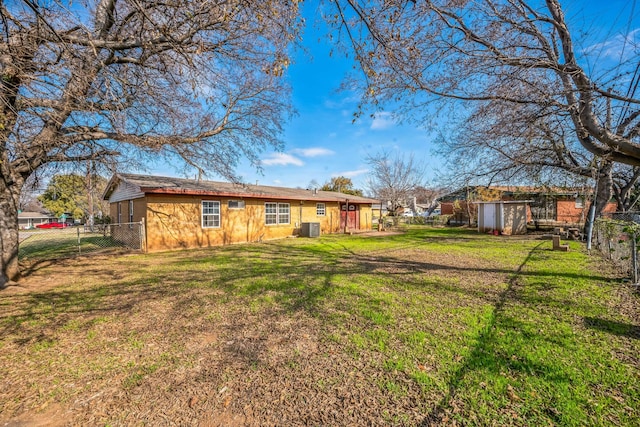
(311, 198)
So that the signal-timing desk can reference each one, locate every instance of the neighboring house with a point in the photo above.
(423, 209)
(404, 211)
(185, 213)
(380, 210)
(547, 205)
(28, 220)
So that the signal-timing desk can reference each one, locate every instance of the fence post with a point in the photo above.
(634, 258)
(143, 240)
(592, 214)
(78, 231)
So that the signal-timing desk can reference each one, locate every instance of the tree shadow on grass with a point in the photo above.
(612, 327)
(483, 356)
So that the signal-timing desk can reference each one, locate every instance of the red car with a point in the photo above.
(52, 225)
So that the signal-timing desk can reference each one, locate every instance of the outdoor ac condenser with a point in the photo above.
(310, 229)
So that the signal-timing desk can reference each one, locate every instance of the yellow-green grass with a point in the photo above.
(431, 325)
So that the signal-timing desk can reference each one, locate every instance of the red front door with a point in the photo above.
(349, 215)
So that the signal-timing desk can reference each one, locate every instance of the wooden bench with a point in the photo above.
(557, 246)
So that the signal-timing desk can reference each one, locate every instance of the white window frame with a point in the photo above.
(277, 213)
(240, 204)
(282, 214)
(119, 212)
(130, 213)
(210, 215)
(270, 213)
(321, 209)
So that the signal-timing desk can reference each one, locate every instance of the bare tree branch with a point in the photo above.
(512, 51)
(199, 83)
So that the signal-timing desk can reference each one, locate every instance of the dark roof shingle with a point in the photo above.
(170, 185)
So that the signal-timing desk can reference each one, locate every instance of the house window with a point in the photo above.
(210, 214)
(283, 213)
(579, 202)
(130, 213)
(320, 209)
(276, 213)
(119, 212)
(235, 204)
(270, 213)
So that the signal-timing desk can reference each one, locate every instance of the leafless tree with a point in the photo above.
(503, 143)
(429, 196)
(29, 196)
(394, 179)
(196, 81)
(522, 54)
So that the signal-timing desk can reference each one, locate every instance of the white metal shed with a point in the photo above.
(504, 217)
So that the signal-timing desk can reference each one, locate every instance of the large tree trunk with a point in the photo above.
(604, 187)
(603, 191)
(9, 269)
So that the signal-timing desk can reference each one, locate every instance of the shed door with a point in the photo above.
(490, 219)
(350, 216)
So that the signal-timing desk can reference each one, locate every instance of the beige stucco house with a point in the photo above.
(187, 213)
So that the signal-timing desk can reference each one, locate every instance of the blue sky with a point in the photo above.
(322, 141)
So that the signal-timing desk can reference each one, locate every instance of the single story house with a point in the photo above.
(27, 220)
(189, 213)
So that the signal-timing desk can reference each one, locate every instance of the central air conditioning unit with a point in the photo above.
(310, 229)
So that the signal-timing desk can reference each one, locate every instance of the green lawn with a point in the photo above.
(42, 245)
(432, 326)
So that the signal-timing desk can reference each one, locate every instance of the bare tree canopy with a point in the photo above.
(518, 52)
(508, 144)
(395, 179)
(196, 81)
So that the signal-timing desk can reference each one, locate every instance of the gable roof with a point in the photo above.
(179, 186)
(35, 215)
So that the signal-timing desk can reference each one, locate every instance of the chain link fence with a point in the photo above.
(395, 221)
(46, 244)
(616, 239)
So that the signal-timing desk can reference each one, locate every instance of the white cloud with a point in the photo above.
(351, 174)
(619, 47)
(337, 103)
(281, 159)
(382, 120)
(313, 152)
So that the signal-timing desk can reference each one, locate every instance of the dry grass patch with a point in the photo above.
(431, 326)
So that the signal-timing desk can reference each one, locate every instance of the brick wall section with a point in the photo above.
(569, 213)
(461, 212)
(611, 208)
(566, 211)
